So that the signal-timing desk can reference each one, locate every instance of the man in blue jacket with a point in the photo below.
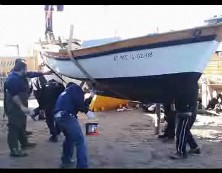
(69, 103)
(17, 92)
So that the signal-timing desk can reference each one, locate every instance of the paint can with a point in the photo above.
(91, 129)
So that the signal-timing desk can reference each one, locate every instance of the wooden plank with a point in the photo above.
(74, 61)
(207, 112)
(157, 119)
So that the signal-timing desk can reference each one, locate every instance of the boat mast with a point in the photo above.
(49, 35)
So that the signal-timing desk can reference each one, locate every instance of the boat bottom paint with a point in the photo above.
(161, 88)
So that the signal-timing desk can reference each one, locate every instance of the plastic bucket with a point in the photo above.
(91, 129)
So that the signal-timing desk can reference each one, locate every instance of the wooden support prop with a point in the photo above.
(207, 112)
(82, 84)
(84, 72)
(75, 61)
(157, 119)
(60, 42)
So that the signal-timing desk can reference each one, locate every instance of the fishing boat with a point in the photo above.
(152, 68)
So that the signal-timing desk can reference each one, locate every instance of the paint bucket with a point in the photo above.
(91, 129)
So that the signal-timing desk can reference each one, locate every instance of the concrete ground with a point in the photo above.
(126, 140)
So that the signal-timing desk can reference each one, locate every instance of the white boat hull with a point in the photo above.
(159, 68)
(147, 62)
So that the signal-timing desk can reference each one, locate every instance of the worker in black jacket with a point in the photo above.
(51, 93)
(186, 106)
(170, 117)
(38, 85)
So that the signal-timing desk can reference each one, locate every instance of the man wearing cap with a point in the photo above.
(17, 93)
(69, 103)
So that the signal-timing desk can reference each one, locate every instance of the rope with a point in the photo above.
(85, 73)
(52, 69)
(71, 57)
(77, 64)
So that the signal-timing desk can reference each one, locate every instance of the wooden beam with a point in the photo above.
(157, 119)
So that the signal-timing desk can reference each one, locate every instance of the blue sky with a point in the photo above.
(24, 24)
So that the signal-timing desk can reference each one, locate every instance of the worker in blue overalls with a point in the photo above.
(17, 92)
(69, 103)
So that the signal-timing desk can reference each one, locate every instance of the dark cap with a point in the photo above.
(19, 64)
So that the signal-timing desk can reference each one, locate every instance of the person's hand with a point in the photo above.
(25, 110)
(48, 72)
(90, 115)
(92, 94)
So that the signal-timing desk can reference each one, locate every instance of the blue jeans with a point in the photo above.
(70, 127)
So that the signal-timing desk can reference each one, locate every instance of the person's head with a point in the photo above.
(53, 82)
(20, 66)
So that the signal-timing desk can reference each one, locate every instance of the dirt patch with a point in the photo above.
(125, 140)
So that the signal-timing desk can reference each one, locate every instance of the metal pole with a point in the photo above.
(14, 45)
(18, 50)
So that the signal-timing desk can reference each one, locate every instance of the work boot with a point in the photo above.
(178, 156)
(194, 151)
(41, 118)
(167, 139)
(28, 133)
(53, 139)
(41, 115)
(33, 117)
(69, 164)
(162, 136)
(17, 153)
(28, 145)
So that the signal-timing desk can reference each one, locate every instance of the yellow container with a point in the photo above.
(101, 103)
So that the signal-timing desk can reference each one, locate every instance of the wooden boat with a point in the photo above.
(153, 68)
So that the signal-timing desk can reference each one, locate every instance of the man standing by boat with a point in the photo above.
(38, 86)
(170, 117)
(16, 106)
(51, 93)
(69, 103)
(186, 106)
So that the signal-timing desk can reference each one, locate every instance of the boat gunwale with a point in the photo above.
(128, 43)
(65, 57)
